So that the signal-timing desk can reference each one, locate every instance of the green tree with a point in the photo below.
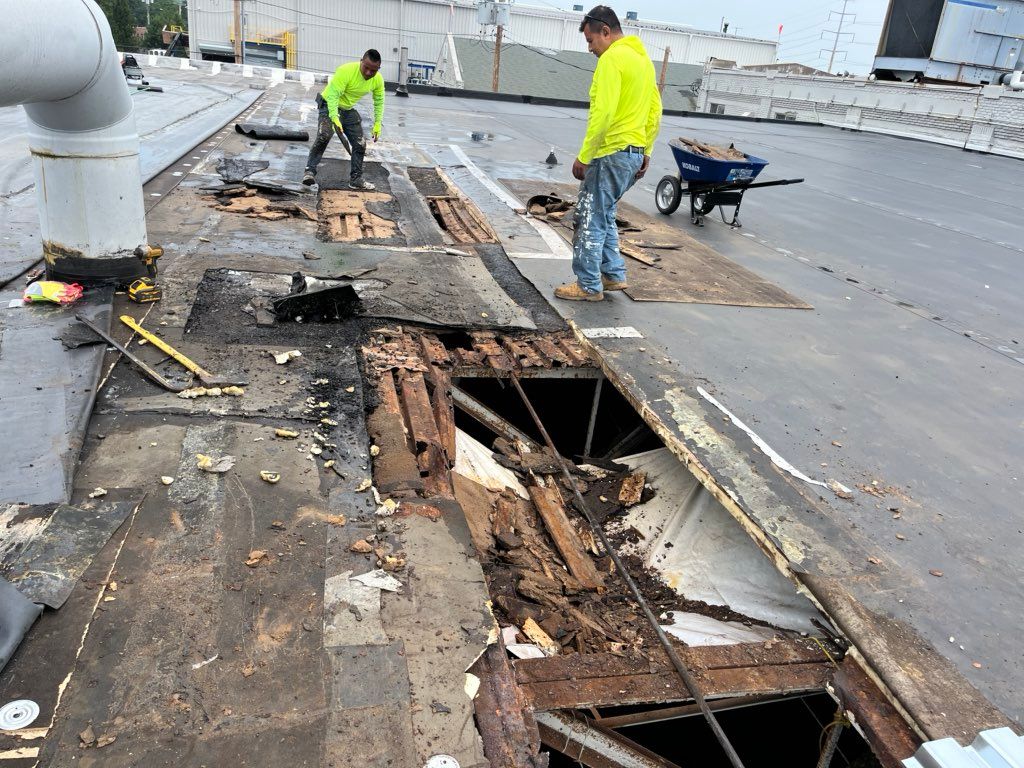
(162, 13)
(121, 16)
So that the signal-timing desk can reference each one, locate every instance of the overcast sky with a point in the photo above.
(803, 22)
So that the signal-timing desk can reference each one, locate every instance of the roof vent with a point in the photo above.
(577, 7)
(631, 16)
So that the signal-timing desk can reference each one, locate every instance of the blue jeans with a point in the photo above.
(595, 241)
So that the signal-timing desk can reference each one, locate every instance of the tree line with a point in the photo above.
(126, 16)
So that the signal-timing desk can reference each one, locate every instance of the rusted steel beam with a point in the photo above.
(506, 724)
(594, 746)
(886, 732)
(490, 419)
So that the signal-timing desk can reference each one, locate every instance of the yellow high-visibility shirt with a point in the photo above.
(625, 105)
(347, 86)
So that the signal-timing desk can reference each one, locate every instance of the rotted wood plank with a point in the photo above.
(574, 352)
(666, 686)
(418, 410)
(507, 727)
(552, 511)
(545, 348)
(496, 357)
(523, 353)
(434, 352)
(444, 412)
(395, 468)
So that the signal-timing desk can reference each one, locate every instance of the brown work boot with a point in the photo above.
(573, 292)
(613, 285)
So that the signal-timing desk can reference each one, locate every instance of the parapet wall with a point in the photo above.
(985, 119)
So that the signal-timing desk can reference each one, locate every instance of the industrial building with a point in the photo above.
(956, 41)
(318, 35)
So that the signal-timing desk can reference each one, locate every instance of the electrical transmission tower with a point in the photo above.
(837, 33)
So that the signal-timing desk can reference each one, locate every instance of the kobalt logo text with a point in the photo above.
(690, 167)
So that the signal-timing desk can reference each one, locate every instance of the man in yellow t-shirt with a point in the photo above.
(625, 113)
(337, 113)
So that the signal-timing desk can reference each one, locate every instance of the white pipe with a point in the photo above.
(62, 65)
(1016, 81)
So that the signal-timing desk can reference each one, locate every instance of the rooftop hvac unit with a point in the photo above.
(577, 7)
(493, 13)
(631, 16)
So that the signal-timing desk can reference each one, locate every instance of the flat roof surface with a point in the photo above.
(912, 359)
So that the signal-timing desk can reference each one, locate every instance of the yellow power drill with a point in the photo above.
(144, 290)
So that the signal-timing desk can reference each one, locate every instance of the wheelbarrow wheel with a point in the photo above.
(668, 194)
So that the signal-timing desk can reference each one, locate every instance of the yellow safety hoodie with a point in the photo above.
(347, 86)
(625, 106)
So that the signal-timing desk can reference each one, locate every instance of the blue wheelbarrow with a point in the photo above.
(710, 182)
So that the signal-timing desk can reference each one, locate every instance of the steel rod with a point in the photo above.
(835, 731)
(684, 673)
(593, 417)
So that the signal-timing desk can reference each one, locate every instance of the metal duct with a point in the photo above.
(1016, 81)
(62, 65)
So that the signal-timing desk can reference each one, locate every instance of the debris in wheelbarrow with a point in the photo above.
(711, 150)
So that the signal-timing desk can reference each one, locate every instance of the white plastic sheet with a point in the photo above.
(703, 553)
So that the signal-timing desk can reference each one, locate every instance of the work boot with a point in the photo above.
(573, 292)
(309, 178)
(361, 184)
(613, 285)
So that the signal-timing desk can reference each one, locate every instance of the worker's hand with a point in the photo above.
(337, 123)
(579, 170)
(376, 133)
(643, 168)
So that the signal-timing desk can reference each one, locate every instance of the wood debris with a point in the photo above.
(713, 151)
(632, 488)
(462, 220)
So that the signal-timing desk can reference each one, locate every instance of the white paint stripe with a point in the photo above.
(551, 238)
(536, 255)
(621, 332)
(502, 194)
(770, 452)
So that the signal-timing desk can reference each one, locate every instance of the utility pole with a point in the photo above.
(497, 58)
(664, 70)
(238, 31)
(838, 32)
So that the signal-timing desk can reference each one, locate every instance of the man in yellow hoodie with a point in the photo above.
(337, 113)
(625, 113)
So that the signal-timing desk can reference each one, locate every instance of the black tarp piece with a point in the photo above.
(46, 394)
(234, 169)
(44, 550)
(17, 615)
(264, 131)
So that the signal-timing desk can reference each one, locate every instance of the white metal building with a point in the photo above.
(319, 35)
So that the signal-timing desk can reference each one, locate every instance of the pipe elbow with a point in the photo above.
(75, 86)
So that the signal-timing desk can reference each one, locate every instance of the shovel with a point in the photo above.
(170, 386)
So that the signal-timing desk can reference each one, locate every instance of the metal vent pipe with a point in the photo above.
(61, 63)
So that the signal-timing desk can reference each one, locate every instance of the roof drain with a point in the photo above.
(82, 135)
